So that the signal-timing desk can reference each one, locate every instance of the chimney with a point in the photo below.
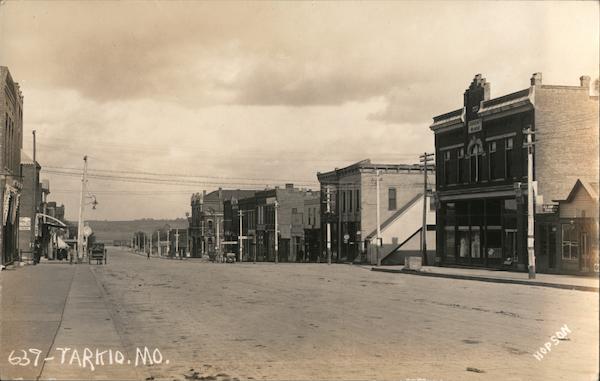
(289, 186)
(536, 79)
(220, 193)
(585, 81)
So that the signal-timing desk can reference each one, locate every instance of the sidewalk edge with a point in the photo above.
(491, 280)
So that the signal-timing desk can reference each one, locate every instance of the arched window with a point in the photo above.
(210, 224)
(475, 157)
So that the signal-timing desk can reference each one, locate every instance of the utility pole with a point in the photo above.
(378, 219)
(34, 209)
(218, 237)
(81, 209)
(339, 229)
(177, 240)
(276, 233)
(328, 200)
(158, 251)
(240, 237)
(425, 159)
(530, 200)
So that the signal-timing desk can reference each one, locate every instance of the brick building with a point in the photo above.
(258, 224)
(30, 172)
(11, 143)
(206, 221)
(312, 227)
(349, 207)
(178, 243)
(482, 173)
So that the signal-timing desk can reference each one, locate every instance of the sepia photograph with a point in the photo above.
(299, 190)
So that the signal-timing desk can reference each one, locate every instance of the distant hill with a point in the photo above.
(123, 230)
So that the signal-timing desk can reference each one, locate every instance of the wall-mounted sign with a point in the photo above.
(24, 223)
(474, 126)
(549, 208)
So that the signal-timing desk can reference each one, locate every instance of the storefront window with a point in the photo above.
(450, 213)
(462, 213)
(570, 242)
(475, 242)
(493, 213)
(463, 241)
(450, 242)
(510, 245)
(493, 240)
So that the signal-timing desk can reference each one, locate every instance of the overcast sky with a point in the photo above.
(263, 93)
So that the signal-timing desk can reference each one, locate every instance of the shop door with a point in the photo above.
(510, 254)
(584, 265)
(552, 247)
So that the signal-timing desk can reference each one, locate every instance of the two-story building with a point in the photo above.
(11, 143)
(349, 210)
(312, 227)
(482, 158)
(260, 215)
(206, 221)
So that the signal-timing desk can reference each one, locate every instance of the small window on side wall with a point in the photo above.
(392, 199)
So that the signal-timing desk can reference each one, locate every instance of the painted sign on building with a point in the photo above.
(474, 126)
(24, 223)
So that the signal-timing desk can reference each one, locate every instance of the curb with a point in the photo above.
(490, 280)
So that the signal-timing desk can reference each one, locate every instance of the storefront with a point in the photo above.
(483, 232)
(567, 238)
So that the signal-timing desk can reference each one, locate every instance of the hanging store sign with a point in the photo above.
(474, 126)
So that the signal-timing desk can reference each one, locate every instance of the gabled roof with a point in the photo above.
(590, 188)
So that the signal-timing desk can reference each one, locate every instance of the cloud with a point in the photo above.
(297, 54)
(266, 89)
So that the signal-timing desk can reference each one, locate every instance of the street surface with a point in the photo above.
(287, 321)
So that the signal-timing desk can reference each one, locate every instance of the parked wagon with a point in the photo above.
(97, 253)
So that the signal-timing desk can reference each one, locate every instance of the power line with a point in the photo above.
(77, 170)
(150, 180)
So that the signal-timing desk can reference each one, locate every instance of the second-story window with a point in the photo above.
(210, 225)
(492, 160)
(446, 173)
(475, 156)
(343, 201)
(392, 199)
(508, 159)
(350, 201)
(460, 165)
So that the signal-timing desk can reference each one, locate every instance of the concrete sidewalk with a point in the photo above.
(50, 307)
(568, 282)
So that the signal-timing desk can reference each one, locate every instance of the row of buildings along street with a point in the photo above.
(470, 208)
(473, 210)
(32, 226)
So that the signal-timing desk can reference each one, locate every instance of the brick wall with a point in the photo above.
(26, 204)
(566, 123)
